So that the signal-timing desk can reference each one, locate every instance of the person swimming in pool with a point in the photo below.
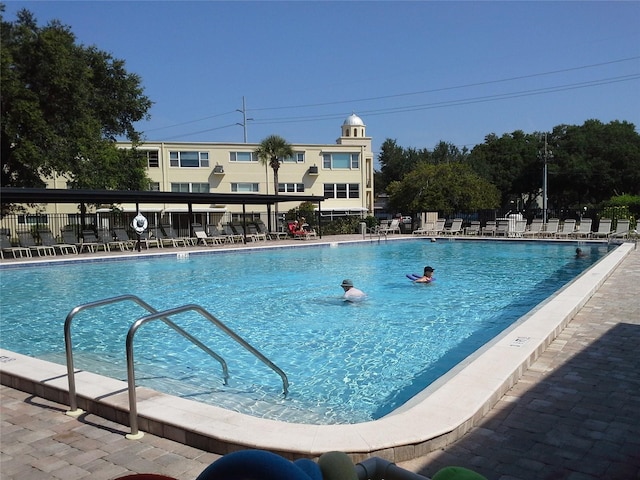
(427, 276)
(351, 294)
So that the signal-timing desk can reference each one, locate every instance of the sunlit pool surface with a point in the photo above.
(346, 363)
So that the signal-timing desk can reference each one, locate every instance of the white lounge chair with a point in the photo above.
(622, 229)
(502, 228)
(394, 226)
(473, 229)
(604, 228)
(203, 237)
(535, 228)
(489, 228)
(520, 228)
(455, 228)
(550, 228)
(568, 227)
(427, 227)
(584, 229)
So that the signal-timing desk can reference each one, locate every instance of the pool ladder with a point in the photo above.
(164, 317)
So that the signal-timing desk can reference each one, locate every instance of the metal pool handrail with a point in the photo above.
(73, 403)
(133, 409)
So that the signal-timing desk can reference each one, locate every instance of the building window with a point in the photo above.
(342, 190)
(243, 157)
(245, 187)
(33, 219)
(249, 217)
(189, 159)
(190, 187)
(290, 187)
(154, 186)
(298, 157)
(341, 161)
(153, 158)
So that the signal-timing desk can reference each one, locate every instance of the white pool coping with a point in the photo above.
(434, 418)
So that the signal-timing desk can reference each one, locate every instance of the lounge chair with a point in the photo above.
(227, 229)
(47, 238)
(26, 240)
(568, 227)
(92, 242)
(584, 229)
(427, 227)
(299, 234)
(489, 228)
(550, 228)
(394, 226)
(473, 229)
(502, 228)
(253, 231)
(202, 236)
(164, 239)
(218, 236)
(520, 228)
(604, 228)
(149, 240)
(534, 229)
(7, 247)
(262, 228)
(239, 230)
(106, 236)
(169, 232)
(69, 237)
(455, 228)
(438, 228)
(622, 229)
(120, 235)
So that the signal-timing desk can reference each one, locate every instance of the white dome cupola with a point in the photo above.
(353, 127)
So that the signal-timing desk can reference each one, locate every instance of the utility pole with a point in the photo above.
(546, 155)
(244, 119)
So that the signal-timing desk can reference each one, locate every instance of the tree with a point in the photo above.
(446, 187)
(396, 162)
(594, 162)
(63, 106)
(271, 152)
(511, 163)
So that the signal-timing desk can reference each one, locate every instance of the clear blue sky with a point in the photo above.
(417, 72)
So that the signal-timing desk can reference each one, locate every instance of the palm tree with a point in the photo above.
(270, 152)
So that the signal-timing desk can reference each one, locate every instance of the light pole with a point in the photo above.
(546, 155)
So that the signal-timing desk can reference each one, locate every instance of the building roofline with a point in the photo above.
(49, 195)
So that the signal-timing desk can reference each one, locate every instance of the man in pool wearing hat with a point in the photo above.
(427, 276)
(351, 294)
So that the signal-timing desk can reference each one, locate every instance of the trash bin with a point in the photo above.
(363, 229)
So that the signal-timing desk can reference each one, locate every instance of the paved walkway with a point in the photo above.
(574, 415)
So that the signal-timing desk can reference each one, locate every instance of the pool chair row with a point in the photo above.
(40, 242)
(234, 233)
(570, 228)
(439, 228)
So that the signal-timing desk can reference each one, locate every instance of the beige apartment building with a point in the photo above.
(341, 172)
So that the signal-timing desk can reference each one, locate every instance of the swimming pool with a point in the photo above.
(346, 363)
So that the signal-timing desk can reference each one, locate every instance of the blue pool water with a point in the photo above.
(346, 363)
